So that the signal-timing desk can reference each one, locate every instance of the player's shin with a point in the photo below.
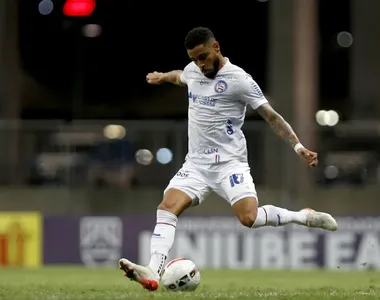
(269, 215)
(162, 240)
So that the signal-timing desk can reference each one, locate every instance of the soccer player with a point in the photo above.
(218, 93)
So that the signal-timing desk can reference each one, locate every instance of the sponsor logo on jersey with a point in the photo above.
(202, 100)
(227, 77)
(207, 151)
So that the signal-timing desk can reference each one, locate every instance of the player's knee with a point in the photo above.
(248, 219)
(175, 201)
(246, 211)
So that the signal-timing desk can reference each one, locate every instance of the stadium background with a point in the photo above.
(87, 147)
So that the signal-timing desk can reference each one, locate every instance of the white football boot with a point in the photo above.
(316, 219)
(141, 274)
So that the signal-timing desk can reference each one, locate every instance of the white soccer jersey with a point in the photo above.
(216, 113)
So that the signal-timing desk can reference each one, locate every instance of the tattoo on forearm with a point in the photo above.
(278, 124)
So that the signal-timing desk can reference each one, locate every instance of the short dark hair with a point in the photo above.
(198, 36)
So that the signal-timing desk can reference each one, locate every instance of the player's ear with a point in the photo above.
(216, 46)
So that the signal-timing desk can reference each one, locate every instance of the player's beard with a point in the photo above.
(214, 70)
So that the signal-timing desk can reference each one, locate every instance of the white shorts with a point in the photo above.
(231, 181)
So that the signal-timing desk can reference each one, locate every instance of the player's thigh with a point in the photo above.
(175, 201)
(187, 181)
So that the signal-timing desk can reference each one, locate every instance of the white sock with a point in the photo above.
(162, 240)
(269, 215)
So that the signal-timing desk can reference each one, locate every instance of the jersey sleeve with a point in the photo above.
(183, 77)
(185, 73)
(251, 93)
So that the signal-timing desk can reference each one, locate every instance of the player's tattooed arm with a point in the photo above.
(278, 124)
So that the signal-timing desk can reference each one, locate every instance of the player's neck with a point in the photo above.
(222, 62)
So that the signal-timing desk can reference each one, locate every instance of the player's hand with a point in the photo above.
(155, 78)
(310, 156)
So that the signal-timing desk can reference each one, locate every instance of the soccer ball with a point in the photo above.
(181, 274)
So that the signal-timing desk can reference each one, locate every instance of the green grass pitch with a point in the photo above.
(101, 284)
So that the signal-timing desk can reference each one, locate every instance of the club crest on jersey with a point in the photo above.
(220, 86)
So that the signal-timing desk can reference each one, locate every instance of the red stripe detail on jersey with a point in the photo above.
(174, 260)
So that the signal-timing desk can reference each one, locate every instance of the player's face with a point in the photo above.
(206, 57)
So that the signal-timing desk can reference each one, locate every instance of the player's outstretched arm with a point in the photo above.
(173, 77)
(278, 124)
(286, 132)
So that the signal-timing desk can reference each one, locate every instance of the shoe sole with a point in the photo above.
(148, 284)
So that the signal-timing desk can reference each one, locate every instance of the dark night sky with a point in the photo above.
(143, 36)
